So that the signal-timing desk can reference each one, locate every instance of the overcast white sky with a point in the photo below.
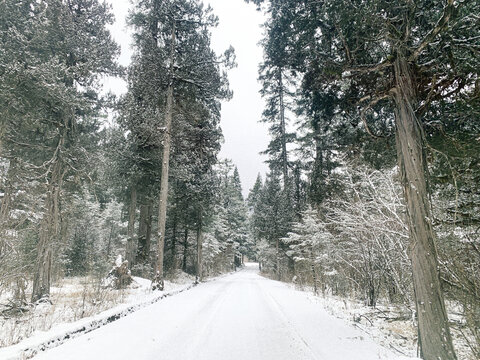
(239, 27)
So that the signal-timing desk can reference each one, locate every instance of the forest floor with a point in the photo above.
(239, 316)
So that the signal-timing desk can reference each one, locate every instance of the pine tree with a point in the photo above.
(64, 48)
(174, 41)
(231, 218)
(254, 193)
(275, 90)
(272, 219)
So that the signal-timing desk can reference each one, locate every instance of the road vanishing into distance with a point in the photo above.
(238, 316)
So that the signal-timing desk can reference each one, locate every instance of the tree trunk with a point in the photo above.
(283, 130)
(49, 230)
(162, 208)
(230, 254)
(185, 250)
(5, 207)
(174, 241)
(278, 259)
(199, 247)
(144, 233)
(130, 248)
(317, 191)
(109, 243)
(434, 332)
(298, 196)
(314, 276)
(314, 272)
(371, 294)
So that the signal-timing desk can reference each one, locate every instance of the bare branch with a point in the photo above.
(370, 68)
(368, 107)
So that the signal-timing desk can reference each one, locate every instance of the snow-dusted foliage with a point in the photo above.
(96, 236)
(271, 215)
(371, 236)
(50, 108)
(309, 245)
(357, 241)
(456, 212)
(226, 240)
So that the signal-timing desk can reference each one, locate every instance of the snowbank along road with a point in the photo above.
(240, 316)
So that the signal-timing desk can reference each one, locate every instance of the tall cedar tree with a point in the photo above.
(189, 72)
(276, 82)
(400, 60)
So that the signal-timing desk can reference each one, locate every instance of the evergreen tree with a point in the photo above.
(308, 244)
(174, 41)
(276, 83)
(64, 49)
(253, 203)
(254, 193)
(399, 62)
(231, 226)
(272, 219)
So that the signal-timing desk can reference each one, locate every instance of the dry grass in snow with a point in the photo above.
(73, 299)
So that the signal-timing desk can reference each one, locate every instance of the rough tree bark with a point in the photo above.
(5, 207)
(434, 332)
(144, 233)
(174, 239)
(277, 258)
(314, 272)
(162, 208)
(230, 255)
(130, 248)
(283, 130)
(199, 248)
(49, 227)
(185, 250)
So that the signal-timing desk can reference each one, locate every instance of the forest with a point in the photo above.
(372, 192)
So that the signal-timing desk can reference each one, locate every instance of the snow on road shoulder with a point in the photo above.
(139, 296)
(397, 334)
(388, 326)
(254, 317)
(327, 328)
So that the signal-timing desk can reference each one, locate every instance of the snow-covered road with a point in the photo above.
(240, 316)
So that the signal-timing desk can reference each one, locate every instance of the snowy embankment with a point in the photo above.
(391, 326)
(56, 318)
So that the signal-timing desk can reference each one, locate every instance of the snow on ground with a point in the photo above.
(78, 307)
(392, 326)
(239, 316)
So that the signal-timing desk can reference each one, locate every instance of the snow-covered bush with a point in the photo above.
(356, 243)
(373, 236)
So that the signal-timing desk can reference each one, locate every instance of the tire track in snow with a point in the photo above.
(274, 305)
(205, 329)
